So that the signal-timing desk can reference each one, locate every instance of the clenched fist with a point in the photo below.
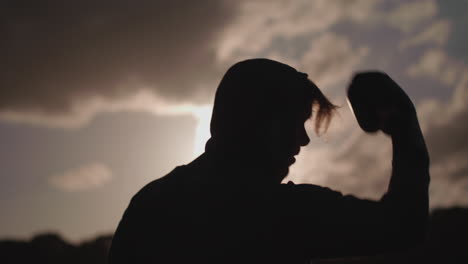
(379, 103)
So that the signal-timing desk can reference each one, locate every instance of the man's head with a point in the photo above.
(259, 113)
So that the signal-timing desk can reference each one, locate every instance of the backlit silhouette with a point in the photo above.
(229, 205)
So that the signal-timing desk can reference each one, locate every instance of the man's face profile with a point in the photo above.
(259, 113)
(287, 134)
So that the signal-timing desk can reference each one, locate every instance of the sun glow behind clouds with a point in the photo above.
(202, 132)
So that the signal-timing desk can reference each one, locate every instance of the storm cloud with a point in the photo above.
(64, 62)
(57, 54)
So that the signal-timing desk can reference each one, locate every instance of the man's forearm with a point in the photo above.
(410, 162)
(407, 198)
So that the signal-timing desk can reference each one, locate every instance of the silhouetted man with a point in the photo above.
(229, 206)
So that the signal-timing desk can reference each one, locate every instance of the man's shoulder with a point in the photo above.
(290, 185)
(158, 187)
(308, 190)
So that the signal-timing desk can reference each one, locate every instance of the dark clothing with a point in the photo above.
(203, 213)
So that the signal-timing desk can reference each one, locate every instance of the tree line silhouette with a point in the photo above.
(446, 242)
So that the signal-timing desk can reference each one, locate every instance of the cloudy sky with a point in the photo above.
(97, 98)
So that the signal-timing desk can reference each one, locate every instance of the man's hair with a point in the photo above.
(255, 90)
(323, 108)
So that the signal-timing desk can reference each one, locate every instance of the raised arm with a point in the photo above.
(407, 196)
(390, 110)
(348, 226)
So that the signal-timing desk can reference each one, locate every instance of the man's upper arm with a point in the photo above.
(330, 224)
